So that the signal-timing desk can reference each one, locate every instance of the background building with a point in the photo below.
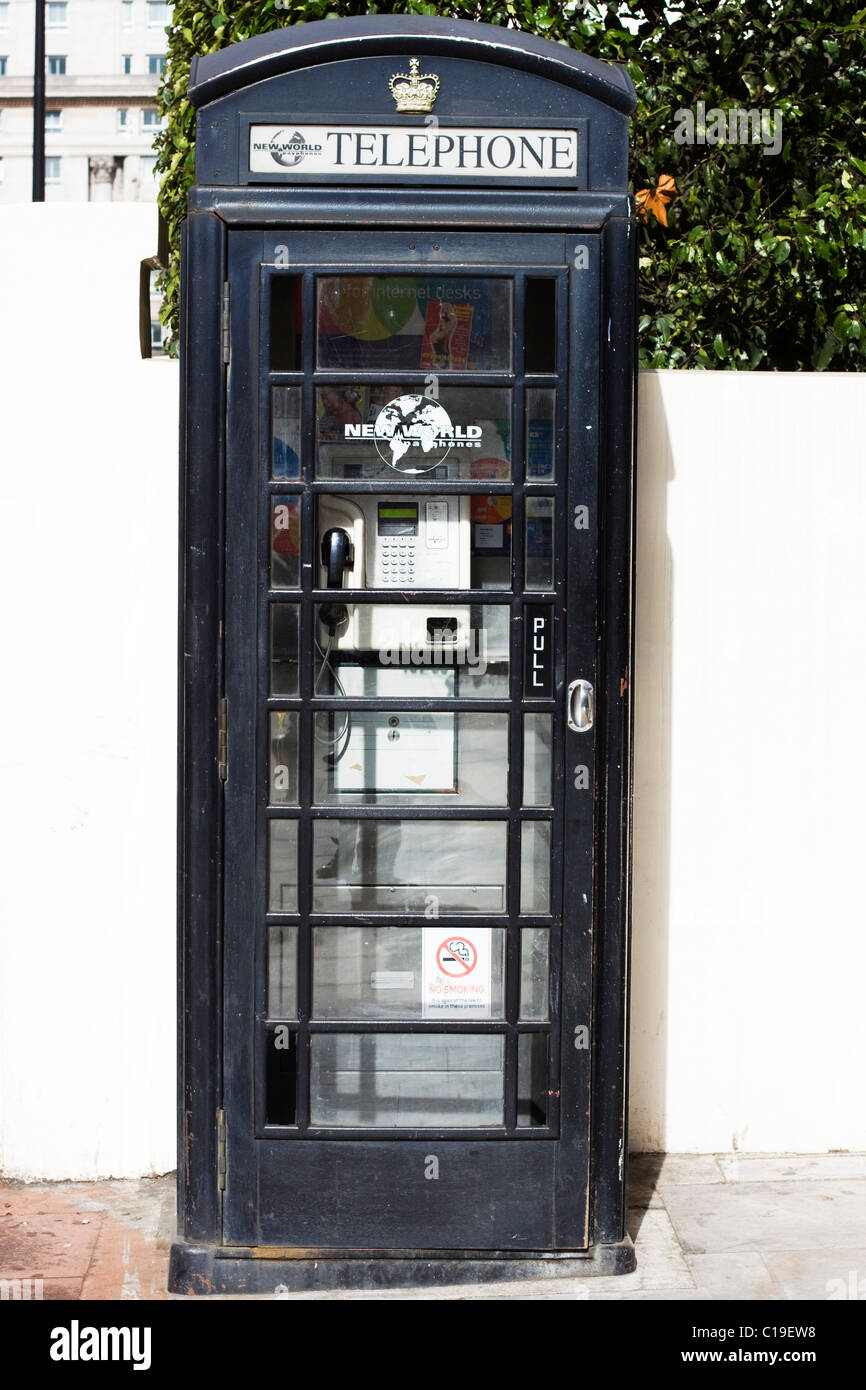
(103, 64)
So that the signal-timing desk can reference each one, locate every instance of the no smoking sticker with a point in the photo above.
(456, 977)
(457, 957)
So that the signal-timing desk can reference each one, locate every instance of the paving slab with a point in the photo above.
(831, 1275)
(649, 1174)
(689, 1170)
(104, 1240)
(738, 1274)
(767, 1216)
(45, 1236)
(790, 1167)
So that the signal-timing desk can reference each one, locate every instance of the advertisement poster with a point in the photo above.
(447, 334)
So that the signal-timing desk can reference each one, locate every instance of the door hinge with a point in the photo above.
(221, 1150)
(227, 322)
(223, 741)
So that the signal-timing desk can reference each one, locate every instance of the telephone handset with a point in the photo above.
(395, 541)
(337, 556)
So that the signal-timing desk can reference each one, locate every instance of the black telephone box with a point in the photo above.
(408, 410)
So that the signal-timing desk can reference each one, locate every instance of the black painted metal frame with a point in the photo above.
(208, 1257)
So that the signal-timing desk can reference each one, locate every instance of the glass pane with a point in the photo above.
(283, 783)
(286, 413)
(371, 431)
(408, 972)
(408, 541)
(539, 543)
(410, 1081)
(409, 866)
(281, 1075)
(540, 434)
(283, 866)
(540, 325)
(532, 1079)
(534, 972)
(286, 323)
(414, 323)
(379, 649)
(356, 680)
(284, 649)
(491, 542)
(404, 757)
(285, 542)
(537, 743)
(535, 866)
(283, 972)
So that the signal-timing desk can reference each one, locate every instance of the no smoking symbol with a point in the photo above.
(457, 957)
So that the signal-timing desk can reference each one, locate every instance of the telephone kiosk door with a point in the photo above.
(410, 647)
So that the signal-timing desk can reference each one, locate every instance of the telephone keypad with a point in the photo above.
(397, 561)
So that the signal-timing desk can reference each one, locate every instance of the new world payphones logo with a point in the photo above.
(414, 434)
(287, 150)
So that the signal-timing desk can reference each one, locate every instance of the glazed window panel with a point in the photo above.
(418, 323)
(415, 866)
(366, 430)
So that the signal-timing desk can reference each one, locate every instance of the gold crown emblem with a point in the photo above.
(411, 92)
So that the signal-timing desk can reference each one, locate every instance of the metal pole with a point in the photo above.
(39, 106)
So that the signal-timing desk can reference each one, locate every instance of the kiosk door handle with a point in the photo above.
(580, 706)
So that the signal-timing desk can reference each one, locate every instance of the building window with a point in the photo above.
(52, 168)
(123, 120)
(57, 65)
(55, 16)
(157, 14)
(150, 120)
(4, 15)
(53, 122)
(126, 11)
(148, 181)
(126, 64)
(156, 64)
(3, 61)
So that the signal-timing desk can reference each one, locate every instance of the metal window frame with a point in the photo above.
(308, 486)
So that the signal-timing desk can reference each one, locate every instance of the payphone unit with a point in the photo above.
(395, 542)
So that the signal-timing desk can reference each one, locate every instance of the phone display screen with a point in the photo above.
(398, 519)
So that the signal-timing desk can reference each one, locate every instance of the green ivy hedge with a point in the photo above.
(758, 259)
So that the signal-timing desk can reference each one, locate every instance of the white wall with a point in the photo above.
(88, 563)
(749, 955)
(749, 923)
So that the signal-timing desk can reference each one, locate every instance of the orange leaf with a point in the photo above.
(658, 207)
(656, 202)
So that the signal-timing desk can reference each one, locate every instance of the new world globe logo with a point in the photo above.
(413, 433)
(289, 150)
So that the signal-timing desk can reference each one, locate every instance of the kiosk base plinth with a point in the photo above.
(213, 1269)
